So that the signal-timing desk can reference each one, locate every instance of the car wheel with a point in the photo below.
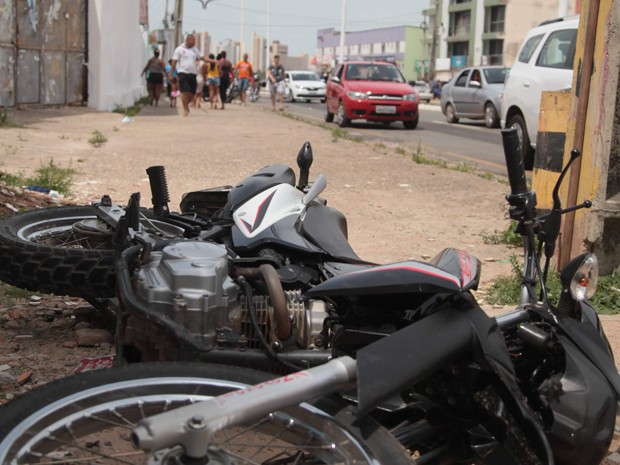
(491, 120)
(451, 114)
(322, 100)
(411, 124)
(341, 117)
(527, 152)
(329, 117)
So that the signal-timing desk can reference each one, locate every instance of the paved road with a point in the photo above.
(467, 142)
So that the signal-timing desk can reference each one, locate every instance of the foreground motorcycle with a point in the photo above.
(427, 369)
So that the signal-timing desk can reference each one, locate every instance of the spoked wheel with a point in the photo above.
(64, 250)
(89, 419)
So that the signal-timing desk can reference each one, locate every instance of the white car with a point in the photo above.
(544, 63)
(304, 85)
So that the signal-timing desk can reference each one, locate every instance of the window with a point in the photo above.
(494, 51)
(559, 50)
(459, 23)
(494, 19)
(458, 48)
(460, 81)
(457, 2)
(528, 49)
(495, 75)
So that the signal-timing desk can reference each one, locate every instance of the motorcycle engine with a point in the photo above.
(188, 282)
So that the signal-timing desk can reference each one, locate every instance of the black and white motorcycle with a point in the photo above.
(417, 372)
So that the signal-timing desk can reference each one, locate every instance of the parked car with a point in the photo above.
(474, 93)
(374, 91)
(304, 85)
(544, 63)
(424, 89)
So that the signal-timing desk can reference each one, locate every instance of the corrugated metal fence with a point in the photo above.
(42, 52)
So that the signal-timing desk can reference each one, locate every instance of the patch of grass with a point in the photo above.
(134, 109)
(400, 151)
(11, 292)
(606, 300)
(338, 133)
(507, 237)
(50, 176)
(98, 139)
(464, 168)
(5, 121)
(53, 177)
(505, 290)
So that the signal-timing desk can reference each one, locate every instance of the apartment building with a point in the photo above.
(479, 32)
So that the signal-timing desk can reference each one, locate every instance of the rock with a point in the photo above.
(63, 323)
(612, 459)
(36, 298)
(92, 337)
(82, 325)
(6, 378)
(24, 377)
(12, 324)
(5, 367)
(70, 344)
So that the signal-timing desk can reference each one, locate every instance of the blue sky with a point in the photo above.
(292, 22)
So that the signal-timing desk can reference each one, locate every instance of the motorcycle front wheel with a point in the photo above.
(63, 250)
(89, 419)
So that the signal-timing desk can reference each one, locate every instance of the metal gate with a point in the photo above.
(42, 52)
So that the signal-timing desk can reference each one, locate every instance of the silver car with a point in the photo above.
(475, 93)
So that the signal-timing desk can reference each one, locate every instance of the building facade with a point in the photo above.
(479, 32)
(454, 34)
(403, 45)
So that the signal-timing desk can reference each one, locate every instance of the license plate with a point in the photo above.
(385, 109)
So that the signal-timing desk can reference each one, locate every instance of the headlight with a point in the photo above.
(354, 94)
(582, 272)
(411, 97)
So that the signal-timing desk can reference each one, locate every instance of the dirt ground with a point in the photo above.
(396, 209)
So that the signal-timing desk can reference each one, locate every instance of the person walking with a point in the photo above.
(213, 81)
(155, 70)
(184, 57)
(225, 72)
(244, 73)
(200, 82)
(275, 74)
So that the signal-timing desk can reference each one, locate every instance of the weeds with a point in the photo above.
(50, 176)
(5, 121)
(508, 237)
(134, 109)
(606, 300)
(98, 139)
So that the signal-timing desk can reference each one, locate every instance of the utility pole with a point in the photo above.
(178, 23)
(436, 22)
(343, 30)
(268, 44)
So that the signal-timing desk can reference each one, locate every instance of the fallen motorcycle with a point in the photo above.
(450, 384)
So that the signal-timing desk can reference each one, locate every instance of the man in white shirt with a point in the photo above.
(184, 61)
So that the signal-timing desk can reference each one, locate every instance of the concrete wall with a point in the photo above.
(117, 53)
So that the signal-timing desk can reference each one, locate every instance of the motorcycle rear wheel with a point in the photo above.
(88, 419)
(63, 250)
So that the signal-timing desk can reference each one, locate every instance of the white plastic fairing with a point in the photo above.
(267, 208)
(584, 282)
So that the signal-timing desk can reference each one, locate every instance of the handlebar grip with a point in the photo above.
(514, 162)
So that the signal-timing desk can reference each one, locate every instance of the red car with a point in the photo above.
(374, 91)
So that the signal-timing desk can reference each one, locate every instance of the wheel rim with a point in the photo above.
(95, 424)
(340, 114)
(519, 133)
(81, 232)
(490, 115)
(450, 112)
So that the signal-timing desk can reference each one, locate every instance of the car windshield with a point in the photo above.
(305, 77)
(373, 72)
(496, 75)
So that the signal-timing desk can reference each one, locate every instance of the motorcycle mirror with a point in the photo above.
(304, 161)
(317, 187)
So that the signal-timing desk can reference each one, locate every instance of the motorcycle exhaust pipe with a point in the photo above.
(159, 190)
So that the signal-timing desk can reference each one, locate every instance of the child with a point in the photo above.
(174, 92)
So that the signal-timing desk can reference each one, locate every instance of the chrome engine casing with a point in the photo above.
(189, 283)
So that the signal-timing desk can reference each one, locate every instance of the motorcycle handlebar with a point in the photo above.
(514, 162)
